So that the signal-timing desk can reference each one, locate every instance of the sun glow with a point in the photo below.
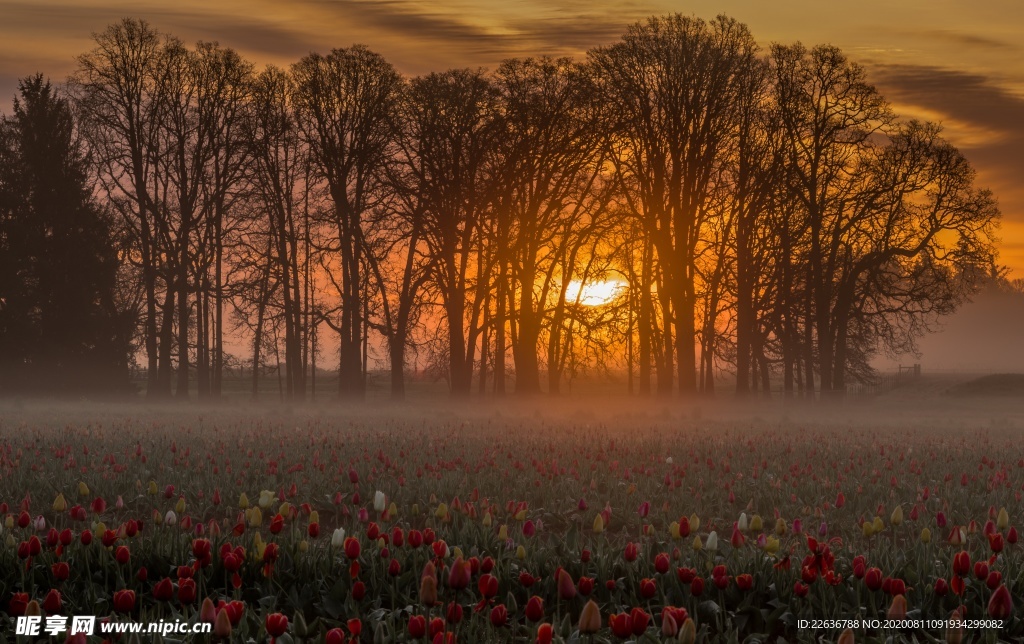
(593, 293)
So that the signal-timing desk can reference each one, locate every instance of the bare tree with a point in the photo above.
(345, 104)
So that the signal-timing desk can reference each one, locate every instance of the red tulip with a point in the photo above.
(277, 624)
(744, 582)
(873, 578)
(499, 615)
(535, 609)
(941, 587)
(544, 634)
(648, 588)
(60, 570)
(994, 580)
(697, 586)
(631, 552)
(417, 626)
(17, 604)
(335, 636)
(640, 620)
(53, 603)
(1000, 605)
(995, 541)
(661, 563)
(585, 585)
(163, 590)
(453, 613)
(355, 626)
(352, 548)
(621, 625)
(186, 591)
(800, 589)
(122, 554)
(124, 601)
(981, 570)
(487, 585)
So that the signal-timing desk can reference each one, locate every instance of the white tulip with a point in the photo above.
(379, 501)
(712, 542)
(170, 518)
(742, 523)
(338, 538)
(267, 498)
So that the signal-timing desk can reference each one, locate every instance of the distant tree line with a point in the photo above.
(760, 213)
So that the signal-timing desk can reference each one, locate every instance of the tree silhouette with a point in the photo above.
(60, 327)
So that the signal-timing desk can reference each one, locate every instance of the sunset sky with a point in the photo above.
(960, 63)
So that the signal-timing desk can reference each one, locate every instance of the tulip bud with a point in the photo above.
(590, 618)
(222, 625)
(756, 524)
(712, 543)
(379, 501)
(926, 535)
(897, 516)
(898, 608)
(598, 524)
(1003, 520)
(694, 522)
(688, 632)
(60, 504)
(83, 489)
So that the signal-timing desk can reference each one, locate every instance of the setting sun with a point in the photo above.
(593, 293)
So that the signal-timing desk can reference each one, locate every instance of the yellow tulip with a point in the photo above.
(756, 524)
(487, 519)
(697, 544)
(60, 503)
(673, 529)
(521, 553)
(284, 509)
(381, 544)
(503, 532)
(83, 489)
(9, 521)
(152, 489)
(267, 498)
(1003, 520)
(877, 524)
(243, 502)
(314, 517)
(867, 529)
(11, 541)
(441, 511)
(780, 526)
(897, 516)
(521, 515)
(303, 546)
(457, 553)
(688, 632)
(415, 509)
(694, 522)
(255, 518)
(392, 510)
(926, 535)
(598, 523)
(158, 518)
(772, 545)
(179, 507)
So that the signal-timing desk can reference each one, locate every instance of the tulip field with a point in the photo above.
(498, 526)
